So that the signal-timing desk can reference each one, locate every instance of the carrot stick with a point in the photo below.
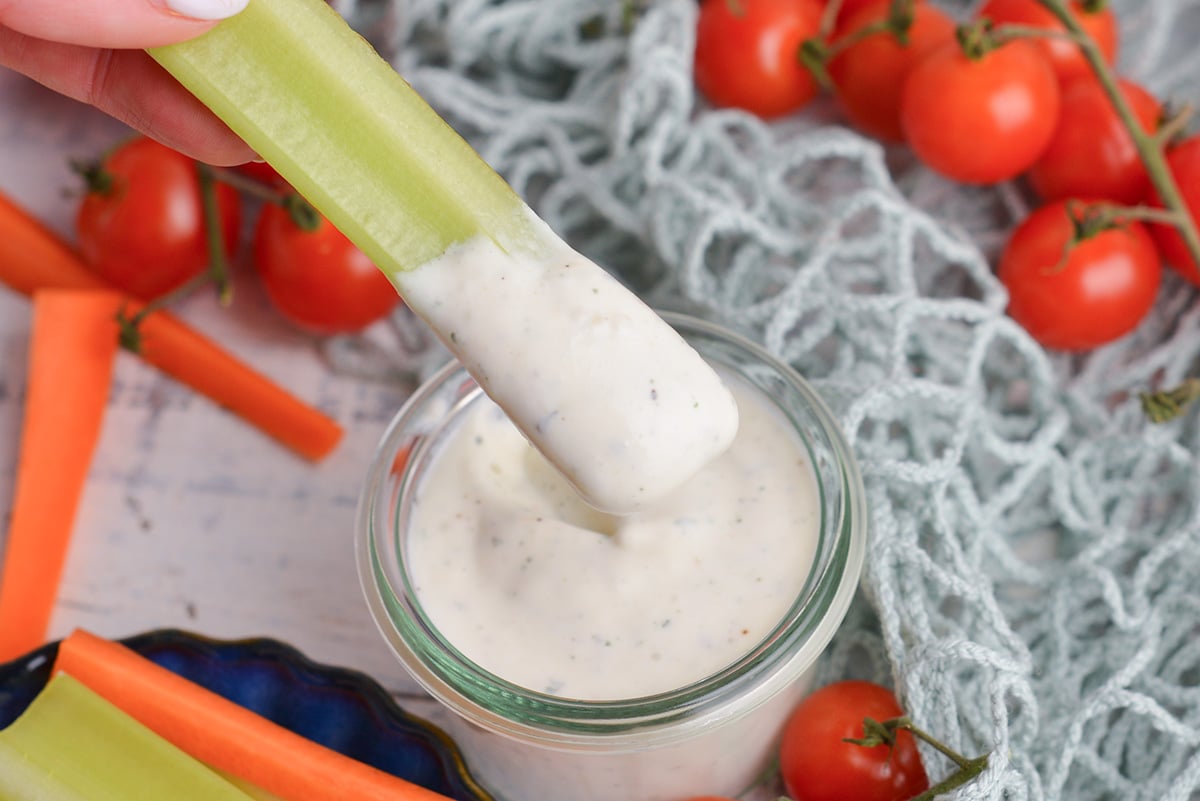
(222, 734)
(72, 348)
(33, 257)
(180, 352)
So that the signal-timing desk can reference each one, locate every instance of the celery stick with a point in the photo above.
(336, 120)
(602, 386)
(22, 780)
(72, 744)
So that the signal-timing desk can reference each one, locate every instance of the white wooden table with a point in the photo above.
(191, 518)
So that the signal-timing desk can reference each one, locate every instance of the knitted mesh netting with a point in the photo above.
(1032, 585)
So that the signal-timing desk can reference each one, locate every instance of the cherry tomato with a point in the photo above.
(144, 231)
(1091, 153)
(869, 75)
(1065, 56)
(748, 54)
(318, 279)
(818, 765)
(848, 9)
(980, 120)
(1099, 292)
(1184, 161)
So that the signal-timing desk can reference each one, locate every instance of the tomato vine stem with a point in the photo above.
(128, 326)
(1101, 216)
(977, 38)
(866, 31)
(1173, 125)
(876, 733)
(1011, 31)
(218, 267)
(95, 178)
(817, 51)
(128, 334)
(829, 19)
(301, 212)
(1167, 404)
(251, 187)
(1149, 147)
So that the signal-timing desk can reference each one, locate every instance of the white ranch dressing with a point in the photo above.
(540, 589)
(602, 386)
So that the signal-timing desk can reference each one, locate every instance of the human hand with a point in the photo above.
(94, 51)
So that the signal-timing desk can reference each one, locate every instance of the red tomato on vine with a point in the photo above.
(1065, 56)
(748, 54)
(869, 75)
(848, 9)
(141, 225)
(984, 119)
(1091, 153)
(816, 763)
(1078, 298)
(317, 278)
(1184, 162)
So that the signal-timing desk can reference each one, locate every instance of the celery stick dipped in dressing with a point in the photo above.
(613, 397)
(339, 124)
(596, 380)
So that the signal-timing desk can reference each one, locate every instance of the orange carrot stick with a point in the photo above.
(32, 257)
(180, 352)
(222, 734)
(71, 354)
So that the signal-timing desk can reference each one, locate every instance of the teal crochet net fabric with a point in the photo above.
(1033, 577)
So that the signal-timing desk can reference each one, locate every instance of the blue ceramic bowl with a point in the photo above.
(342, 709)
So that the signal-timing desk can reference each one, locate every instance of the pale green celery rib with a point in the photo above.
(71, 744)
(255, 792)
(22, 780)
(316, 101)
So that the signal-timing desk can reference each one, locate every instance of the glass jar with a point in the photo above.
(712, 737)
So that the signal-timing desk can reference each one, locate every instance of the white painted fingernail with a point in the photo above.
(206, 9)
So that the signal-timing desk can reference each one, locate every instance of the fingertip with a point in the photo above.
(206, 10)
(217, 147)
(118, 24)
(139, 92)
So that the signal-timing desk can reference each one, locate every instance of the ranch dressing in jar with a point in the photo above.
(588, 657)
(535, 586)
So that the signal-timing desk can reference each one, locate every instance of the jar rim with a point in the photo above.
(795, 641)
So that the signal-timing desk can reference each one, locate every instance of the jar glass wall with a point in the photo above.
(712, 736)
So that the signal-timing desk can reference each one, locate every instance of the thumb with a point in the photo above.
(132, 24)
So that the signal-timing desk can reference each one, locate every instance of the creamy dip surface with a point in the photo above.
(596, 379)
(539, 588)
